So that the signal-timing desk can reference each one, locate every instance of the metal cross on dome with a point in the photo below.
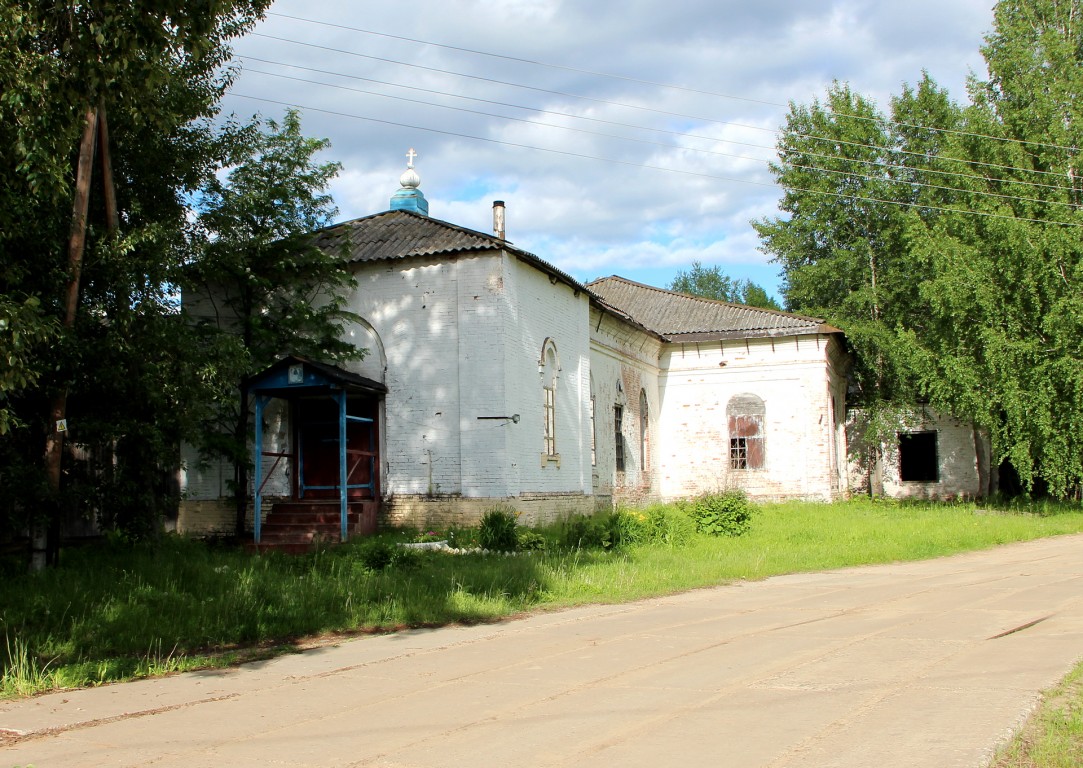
(410, 158)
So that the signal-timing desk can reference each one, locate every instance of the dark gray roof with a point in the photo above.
(400, 234)
(679, 317)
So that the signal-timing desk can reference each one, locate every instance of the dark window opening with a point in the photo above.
(919, 461)
(644, 433)
(739, 452)
(618, 435)
(593, 434)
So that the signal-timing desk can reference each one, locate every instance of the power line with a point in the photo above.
(852, 174)
(670, 86)
(494, 102)
(518, 119)
(665, 131)
(631, 164)
(565, 94)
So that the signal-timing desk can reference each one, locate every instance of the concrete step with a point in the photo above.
(306, 518)
(296, 526)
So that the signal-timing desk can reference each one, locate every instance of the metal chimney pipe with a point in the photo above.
(498, 218)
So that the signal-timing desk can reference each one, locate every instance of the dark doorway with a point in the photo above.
(919, 461)
(318, 436)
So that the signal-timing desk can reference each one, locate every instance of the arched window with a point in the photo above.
(746, 414)
(549, 368)
(644, 433)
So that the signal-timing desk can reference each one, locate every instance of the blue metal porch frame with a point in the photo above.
(343, 485)
(290, 378)
(302, 486)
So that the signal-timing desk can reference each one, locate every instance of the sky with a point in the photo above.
(626, 138)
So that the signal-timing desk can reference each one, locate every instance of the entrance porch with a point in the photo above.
(334, 456)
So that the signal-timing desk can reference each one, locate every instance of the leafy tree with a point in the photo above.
(22, 328)
(753, 295)
(854, 181)
(945, 240)
(712, 283)
(1005, 336)
(125, 365)
(261, 278)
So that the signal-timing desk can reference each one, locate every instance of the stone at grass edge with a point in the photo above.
(443, 546)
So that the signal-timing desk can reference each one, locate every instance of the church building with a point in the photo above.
(493, 378)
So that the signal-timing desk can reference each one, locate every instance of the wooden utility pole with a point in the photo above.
(112, 216)
(46, 544)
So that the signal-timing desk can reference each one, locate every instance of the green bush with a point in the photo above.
(531, 541)
(591, 532)
(498, 531)
(380, 555)
(658, 524)
(720, 514)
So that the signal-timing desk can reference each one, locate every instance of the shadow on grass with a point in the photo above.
(120, 611)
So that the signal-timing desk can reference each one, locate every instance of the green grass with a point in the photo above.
(1053, 736)
(117, 612)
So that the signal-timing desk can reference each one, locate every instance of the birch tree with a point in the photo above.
(945, 241)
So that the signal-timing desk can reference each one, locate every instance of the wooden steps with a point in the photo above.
(296, 527)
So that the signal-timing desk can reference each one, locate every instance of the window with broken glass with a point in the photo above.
(746, 415)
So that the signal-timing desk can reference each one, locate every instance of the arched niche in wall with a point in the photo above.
(374, 365)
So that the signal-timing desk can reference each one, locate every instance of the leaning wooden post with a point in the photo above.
(54, 441)
(111, 214)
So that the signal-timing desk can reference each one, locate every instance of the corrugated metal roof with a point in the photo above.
(679, 317)
(400, 234)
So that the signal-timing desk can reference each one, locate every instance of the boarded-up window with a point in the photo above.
(919, 460)
(746, 415)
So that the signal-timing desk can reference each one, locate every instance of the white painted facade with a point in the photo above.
(799, 381)
(463, 340)
(467, 343)
(956, 454)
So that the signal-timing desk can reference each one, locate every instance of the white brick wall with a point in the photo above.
(626, 356)
(792, 376)
(962, 452)
(462, 338)
(455, 339)
(539, 309)
(412, 306)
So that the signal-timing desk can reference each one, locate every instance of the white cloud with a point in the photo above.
(589, 205)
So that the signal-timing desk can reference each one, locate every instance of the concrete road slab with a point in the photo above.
(915, 664)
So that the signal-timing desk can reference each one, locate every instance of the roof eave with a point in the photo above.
(760, 333)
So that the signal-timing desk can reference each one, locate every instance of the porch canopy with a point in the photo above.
(292, 378)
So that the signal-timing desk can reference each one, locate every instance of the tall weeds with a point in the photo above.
(21, 675)
(118, 611)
